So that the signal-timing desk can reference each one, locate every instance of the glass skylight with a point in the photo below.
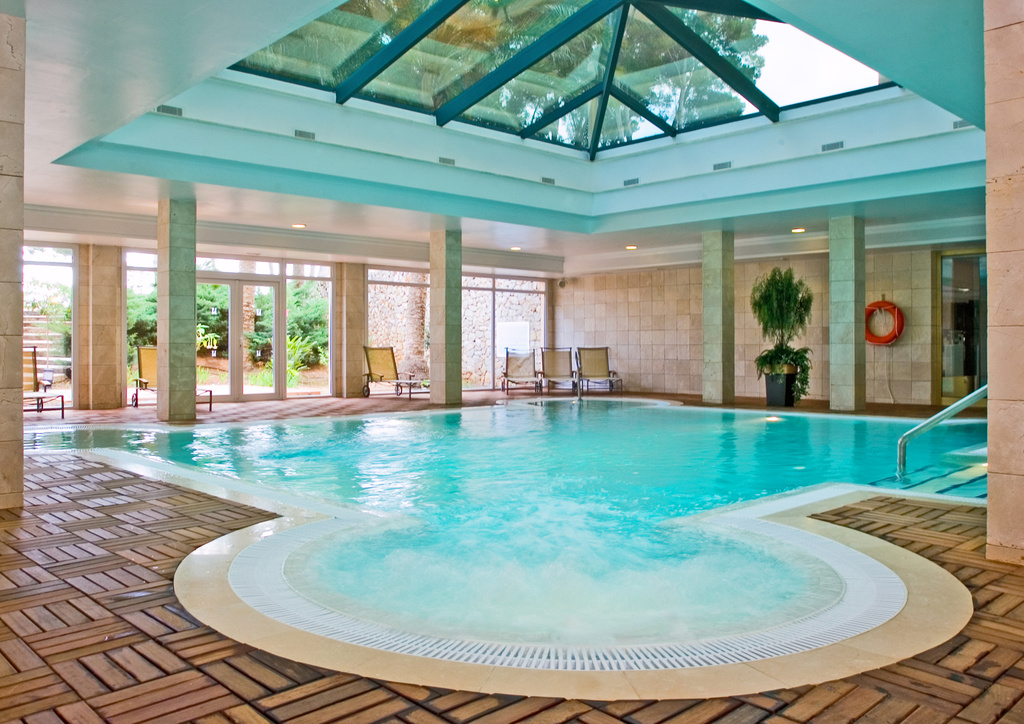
(540, 68)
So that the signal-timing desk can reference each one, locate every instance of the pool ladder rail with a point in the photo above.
(960, 405)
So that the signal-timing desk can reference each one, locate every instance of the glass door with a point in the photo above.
(236, 338)
(213, 338)
(256, 339)
(964, 325)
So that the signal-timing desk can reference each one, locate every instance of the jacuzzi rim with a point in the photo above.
(873, 595)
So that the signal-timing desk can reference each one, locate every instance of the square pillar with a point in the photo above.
(718, 278)
(847, 350)
(12, 233)
(446, 314)
(1004, 199)
(176, 310)
(349, 330)
(100, 382)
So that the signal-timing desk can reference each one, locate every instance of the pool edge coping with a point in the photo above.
(938, 607)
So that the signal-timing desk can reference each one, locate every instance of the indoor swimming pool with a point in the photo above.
(556, 525)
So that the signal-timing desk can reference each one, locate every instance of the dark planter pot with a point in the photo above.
(779, 389)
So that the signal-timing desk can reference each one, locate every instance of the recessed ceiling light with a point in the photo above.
(798, 230)
(515, 248)
(631, 247)
(298, 226)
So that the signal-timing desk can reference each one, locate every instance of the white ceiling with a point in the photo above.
(96, 67)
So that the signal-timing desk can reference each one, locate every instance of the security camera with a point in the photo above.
(562, 283)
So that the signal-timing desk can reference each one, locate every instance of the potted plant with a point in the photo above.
(782, 306)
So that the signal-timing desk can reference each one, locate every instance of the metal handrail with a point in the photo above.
(962, 404)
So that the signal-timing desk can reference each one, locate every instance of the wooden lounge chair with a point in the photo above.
(147, 377)
(592, 367)
(556, 366)
(520, 369)
(380, 361)
(31, 383)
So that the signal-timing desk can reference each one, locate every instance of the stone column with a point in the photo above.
(446, 313)
(99, 380)
(12, 226)
(348, 362)
(847, 351)
(718, 277)
(1004, 117)
(176, 310)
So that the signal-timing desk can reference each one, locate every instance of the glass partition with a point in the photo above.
(964, 324)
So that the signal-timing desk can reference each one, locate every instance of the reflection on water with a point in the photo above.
(644, 462)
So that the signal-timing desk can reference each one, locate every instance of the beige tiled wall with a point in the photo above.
(650, 319)
(652, 322)
(749, 342)
(905, 278)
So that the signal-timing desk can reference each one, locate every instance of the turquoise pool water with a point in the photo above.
(552, 522)
(639, 461)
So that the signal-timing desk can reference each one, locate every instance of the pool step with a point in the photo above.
(974, 455)
(964, 480)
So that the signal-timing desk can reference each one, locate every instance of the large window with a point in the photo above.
(309, 329)
(497, 312)
(140, 277)
(47, 288)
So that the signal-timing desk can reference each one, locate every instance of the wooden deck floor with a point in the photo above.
(90, 629)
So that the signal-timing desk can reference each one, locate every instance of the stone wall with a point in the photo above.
(390, 307)
(652, 322)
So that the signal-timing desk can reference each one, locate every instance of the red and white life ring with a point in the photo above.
(897, 322)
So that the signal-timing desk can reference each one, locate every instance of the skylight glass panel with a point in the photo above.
(573, 129)
(800, 68)
(471, 43)
(571, 69)
(325, 51)
(621, 125)
(669, 81)
(786, 64)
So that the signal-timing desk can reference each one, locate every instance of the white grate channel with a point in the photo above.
(873, 595)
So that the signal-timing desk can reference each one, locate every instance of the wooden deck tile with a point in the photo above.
(90, 629)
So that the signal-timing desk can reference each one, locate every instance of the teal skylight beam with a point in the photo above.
(418, 29)
(563, 110)
(736, 8)
(545, 44)
(704, 53)
(609, 78)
